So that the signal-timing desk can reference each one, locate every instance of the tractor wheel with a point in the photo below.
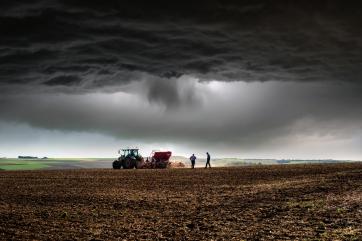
(117, 164)
(133, 163)
(127, 163)
(139, 163)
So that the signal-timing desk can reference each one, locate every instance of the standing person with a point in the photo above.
(193, 160)
(207, 160)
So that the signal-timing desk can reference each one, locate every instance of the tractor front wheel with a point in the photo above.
(117, 164)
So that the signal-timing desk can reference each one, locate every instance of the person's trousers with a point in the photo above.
(208, 163)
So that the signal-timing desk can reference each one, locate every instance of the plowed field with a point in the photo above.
(291, 202)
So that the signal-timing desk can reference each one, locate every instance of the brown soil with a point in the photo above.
(291, 202)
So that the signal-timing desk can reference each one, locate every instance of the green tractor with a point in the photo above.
(129, 159)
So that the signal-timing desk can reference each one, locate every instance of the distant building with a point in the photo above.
(27, 157)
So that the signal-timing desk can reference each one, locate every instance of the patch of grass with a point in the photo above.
(28, 166)
(10, 164)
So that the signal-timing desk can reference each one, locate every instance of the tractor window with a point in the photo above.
(133, 152)
(130, 152)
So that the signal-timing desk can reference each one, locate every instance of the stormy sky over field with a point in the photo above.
(253, 79)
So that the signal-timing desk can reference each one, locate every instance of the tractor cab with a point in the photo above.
(132, 153)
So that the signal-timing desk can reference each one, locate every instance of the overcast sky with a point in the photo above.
(249, 79)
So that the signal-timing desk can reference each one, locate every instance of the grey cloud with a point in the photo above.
(173, 93)
(248, 114)
(64, 80)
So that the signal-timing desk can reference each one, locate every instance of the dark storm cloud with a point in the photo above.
(64, 80)
(224, 40)
(134, 69)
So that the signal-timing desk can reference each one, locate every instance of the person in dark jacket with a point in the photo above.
(207, 160)
(193, 160)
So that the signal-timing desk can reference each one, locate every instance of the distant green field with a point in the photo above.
(10, 164)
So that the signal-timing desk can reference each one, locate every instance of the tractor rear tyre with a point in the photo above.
(139, 163)
(128, 163)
